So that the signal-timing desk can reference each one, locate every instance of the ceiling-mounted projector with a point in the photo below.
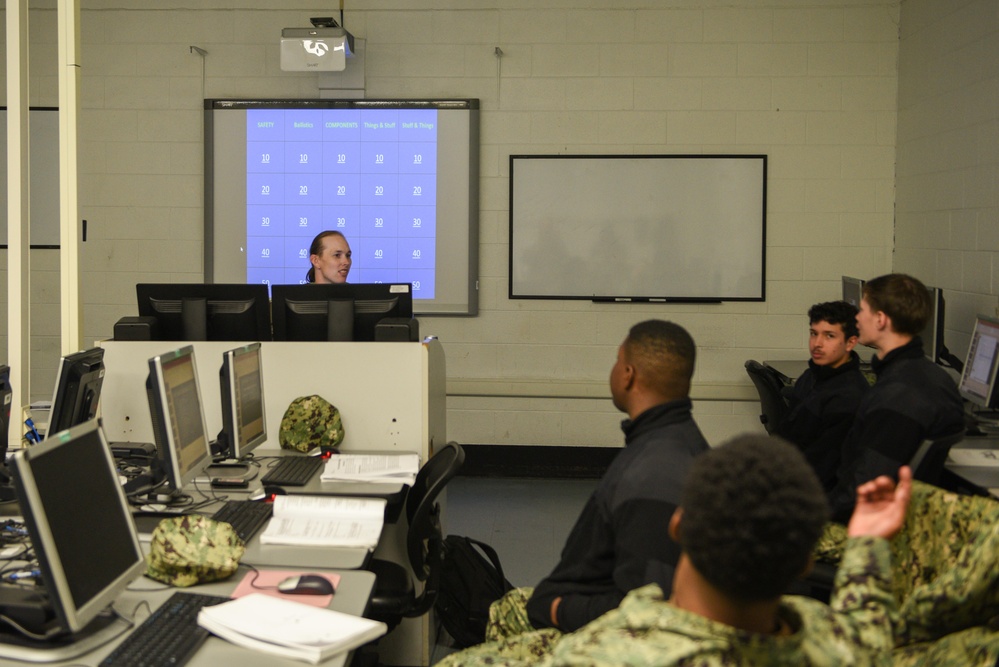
(323, 48)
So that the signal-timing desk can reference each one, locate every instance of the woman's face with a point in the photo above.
(333, 263)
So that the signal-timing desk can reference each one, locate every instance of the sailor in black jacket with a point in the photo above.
(912, 400)
(620, 541)
(825, 397)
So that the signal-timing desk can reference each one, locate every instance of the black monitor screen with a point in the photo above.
(191, 311)
(79, 522)
(343, 312)
(77, 389)
(177, 418)
(243, 424)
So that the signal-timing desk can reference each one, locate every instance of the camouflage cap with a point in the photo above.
(309, 422)
(193, 549)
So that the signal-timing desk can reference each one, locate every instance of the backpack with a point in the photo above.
(469, 583)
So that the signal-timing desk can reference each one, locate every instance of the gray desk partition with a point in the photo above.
(391, 396)
(351, 598)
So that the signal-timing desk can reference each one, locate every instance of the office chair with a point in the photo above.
(770, 388)
(394, 596)
(928, 462)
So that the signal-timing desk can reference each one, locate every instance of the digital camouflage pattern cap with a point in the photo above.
(193, 549)
(309, 422)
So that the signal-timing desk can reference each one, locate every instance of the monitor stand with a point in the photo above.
(16, 646)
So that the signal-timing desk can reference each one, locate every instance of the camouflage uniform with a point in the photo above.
(946, 578)
(645, 630)
(309, 422)
(192, 549)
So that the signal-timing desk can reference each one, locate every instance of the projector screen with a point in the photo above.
(636, 227)
(399, 178)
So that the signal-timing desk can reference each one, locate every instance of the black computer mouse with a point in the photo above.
(306, 584)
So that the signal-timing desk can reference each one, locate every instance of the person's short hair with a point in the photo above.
(317, 248)
(836, 312)
(904, 299)
(753, 510)
(664, 353)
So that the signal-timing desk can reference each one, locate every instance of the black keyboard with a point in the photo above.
(294, 470)
(246, 517)
(169, 637)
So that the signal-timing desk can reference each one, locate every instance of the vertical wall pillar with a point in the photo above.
(69, 218)
(18, 216)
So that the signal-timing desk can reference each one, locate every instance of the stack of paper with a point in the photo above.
(325, 521)
(386, 468)
(287, 628)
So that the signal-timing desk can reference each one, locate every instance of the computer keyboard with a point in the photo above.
(245, 516)
(294, 470)
(169, 637)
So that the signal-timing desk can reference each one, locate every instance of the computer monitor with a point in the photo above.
(343, 312)
(80, 528)
(191, 311)
(179, 431)
(853, 290)
(978, 379)
(244, 426)
(77, 389)
(6, 397)
(932, 333)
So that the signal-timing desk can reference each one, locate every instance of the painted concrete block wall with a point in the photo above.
(813, 85)
(947, 202)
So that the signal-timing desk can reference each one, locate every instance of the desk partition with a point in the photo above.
(390, 395)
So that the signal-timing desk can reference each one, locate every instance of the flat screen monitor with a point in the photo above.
(399, 178)
(853, 290)
(244, 426)
(79, 523)
(933, 333)
(6, 398)
(193, 312)
(77, 389)
(347, 312)
(978, 379)
(179, 431)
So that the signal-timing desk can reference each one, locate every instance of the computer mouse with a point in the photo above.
(306, 584)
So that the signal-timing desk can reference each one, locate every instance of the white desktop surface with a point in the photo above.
(351, 597)
(982, 476)
(391, 491)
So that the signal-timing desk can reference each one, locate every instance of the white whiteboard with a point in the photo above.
(44, 151)
(631, 227)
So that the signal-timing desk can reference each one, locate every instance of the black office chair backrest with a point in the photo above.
(770, 388)
(928, 462)
(425, 537)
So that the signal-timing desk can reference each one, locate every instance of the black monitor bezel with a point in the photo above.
(78, 373)
(70, 615)
(361, 295)
(231, 428)
(253, 327)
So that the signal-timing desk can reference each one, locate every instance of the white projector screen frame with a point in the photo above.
(447, 253)
(638, 227)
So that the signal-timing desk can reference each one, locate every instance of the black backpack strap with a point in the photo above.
(493, 558)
